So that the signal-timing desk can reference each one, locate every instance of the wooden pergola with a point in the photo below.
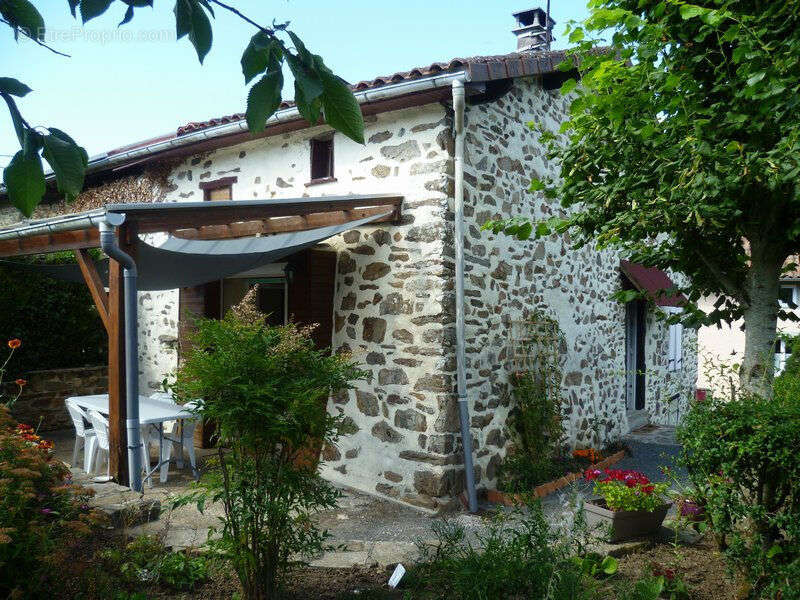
(192, 220)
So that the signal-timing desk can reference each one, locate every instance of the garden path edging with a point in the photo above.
(545, 489)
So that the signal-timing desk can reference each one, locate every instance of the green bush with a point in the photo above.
(743, 454)
(57, 320)
(520, 555)
(266, 388)
(145, 560)
(537, 435)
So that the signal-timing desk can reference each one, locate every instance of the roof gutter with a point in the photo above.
(403, 88)
(65, 223)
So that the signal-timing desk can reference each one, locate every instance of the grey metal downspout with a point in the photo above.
(463, 401)
(108, 242)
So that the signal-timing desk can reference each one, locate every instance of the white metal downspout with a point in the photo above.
(458, 201)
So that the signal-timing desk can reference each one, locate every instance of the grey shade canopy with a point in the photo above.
(181, 263)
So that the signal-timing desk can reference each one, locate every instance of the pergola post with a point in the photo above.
(117, 414)
(117, 437)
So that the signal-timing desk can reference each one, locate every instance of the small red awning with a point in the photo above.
(655, 283)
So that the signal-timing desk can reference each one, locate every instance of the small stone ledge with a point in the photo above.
(123, 506)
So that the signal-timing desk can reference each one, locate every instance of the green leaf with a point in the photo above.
(537, 185)
(310, 111)
(24, 179)
(128, 16)
(302, 51)
(200, 35)
(774, 551)
(183, 17)
(576, 36)
(609, 565)
(754, 79)
(263, 100)
(690, 11)
(16, 119)
(23, 14)
(60, 134)
(93, 8)
(9, 85)
(340, 107)
(568, 86)
(306, 78)
(542, 229)
(67, 161)
(255, 57)
(524, 231)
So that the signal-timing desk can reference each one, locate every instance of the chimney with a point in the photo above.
(534, 30)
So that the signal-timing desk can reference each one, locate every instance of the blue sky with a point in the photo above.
(115, 90)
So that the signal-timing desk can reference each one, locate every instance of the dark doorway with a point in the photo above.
(635, 313)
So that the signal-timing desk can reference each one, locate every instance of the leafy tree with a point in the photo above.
(682, 149)
(318, 92)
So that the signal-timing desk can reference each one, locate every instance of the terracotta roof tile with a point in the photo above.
(480, 68)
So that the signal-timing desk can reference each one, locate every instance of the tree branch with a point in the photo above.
(245, 18)
(726, 282)
(35, 39)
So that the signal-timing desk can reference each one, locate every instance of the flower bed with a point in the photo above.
(540, 491)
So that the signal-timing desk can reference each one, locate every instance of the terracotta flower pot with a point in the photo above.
(624, 524)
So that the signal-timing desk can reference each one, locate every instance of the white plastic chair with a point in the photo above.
(84, 436)
(186, 439)
(100, 426)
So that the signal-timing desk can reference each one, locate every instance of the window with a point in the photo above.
(675, 348)
(219, 189)
(789, 296)
(783, 350)
(322, 160)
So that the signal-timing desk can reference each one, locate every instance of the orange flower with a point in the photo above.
(20, 382)
(14, 344)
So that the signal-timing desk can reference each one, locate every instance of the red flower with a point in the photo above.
(14, 344)
(20, 382)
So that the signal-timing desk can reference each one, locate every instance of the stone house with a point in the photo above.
(387, 292)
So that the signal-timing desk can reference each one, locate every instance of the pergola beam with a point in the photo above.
(280, 224)
(95, 284)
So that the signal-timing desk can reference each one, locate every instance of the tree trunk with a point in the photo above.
(761, 320)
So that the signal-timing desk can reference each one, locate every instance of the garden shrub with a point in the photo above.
(519, 555)
(742, 454)
(266, 388)
(42, 513)
(59, 319)
(145, 560)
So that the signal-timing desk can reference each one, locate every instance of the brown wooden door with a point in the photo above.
(197, 301)
(311, 293)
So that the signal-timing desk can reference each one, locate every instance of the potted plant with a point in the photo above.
(628, 503)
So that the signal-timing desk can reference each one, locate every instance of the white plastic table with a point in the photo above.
(151, 412)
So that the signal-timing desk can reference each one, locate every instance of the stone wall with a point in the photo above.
(667, 393)
(42, 401)
(508, 280)
(393, 295)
